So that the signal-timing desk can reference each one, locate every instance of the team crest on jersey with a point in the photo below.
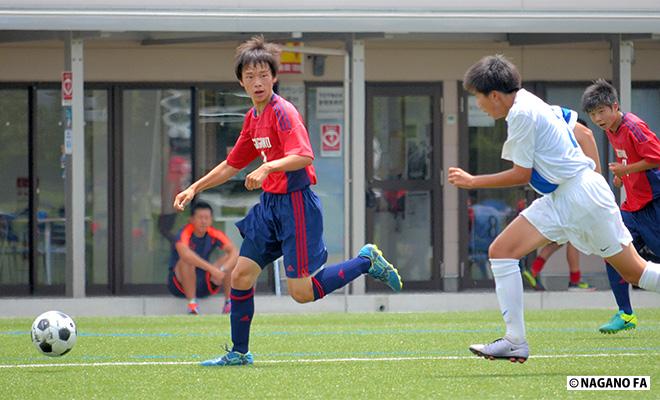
(621, 153)
(261, 143)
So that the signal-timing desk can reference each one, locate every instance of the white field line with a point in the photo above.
(320, 360)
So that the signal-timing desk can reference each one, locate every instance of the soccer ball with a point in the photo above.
(54, 333)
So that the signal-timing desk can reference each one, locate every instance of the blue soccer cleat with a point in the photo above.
(619, 322)
(380, 268)
(231, 359)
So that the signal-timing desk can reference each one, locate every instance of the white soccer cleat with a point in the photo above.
(502, 349)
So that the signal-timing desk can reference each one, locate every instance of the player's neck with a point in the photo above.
(617, 122)
(199, 233)
(260, 106)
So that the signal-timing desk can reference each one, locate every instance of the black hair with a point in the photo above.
(599, 93)
(254, 52)
(200, 205)
(492, 73)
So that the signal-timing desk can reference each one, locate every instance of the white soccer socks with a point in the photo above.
(509, 289)
(650, 279)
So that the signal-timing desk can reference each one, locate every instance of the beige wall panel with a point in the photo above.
(424, 65)
(31, 63)
(547, 63)
(556, 64)
(133, 63)
(385, 61)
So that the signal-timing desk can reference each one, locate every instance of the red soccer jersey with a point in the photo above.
(633, 141)
(278, 132)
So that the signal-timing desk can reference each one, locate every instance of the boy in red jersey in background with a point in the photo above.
(288, 220)
(637, 152)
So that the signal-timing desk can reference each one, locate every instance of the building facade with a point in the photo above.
(381, 95)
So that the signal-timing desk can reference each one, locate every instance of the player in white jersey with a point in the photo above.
(577, 203)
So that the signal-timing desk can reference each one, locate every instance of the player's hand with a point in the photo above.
(256, 178)
(183, 198)
(618, 169)
(617, 181)
(460, 178)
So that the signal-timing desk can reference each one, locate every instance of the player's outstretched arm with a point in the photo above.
(190, 257)
(227, 260)
(587, 142)
(289, 163)
(516, 176)
(217, 176)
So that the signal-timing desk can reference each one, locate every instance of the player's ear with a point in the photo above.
(274, 79)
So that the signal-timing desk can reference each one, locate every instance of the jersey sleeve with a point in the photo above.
(520, 141)
(568, 115)
(243, 152)
(292, 132)
(185, 235)
(646, 142)
(219, 236)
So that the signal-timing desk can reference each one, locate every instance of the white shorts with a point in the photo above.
(582, 211)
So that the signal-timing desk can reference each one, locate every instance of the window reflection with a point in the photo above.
(489, 210)
(156, 165)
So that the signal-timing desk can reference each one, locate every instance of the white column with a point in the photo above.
(622, 74)
(451, 222)
(357, 155)
(75, 182)
(622, 58)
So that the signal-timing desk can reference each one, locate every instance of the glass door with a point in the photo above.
(488, 210)
(219, 121)
(156, 165)
(14, 260)
(404, 187)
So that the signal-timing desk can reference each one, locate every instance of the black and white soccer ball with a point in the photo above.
(54, 333)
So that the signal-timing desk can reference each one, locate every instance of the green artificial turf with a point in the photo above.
(329, 356)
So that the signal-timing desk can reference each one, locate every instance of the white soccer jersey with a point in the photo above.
(540, 139)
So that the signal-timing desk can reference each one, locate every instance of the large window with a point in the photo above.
(220, 120)
(96, 188)
(488, 210)
(14, 133)
(403, 180)
(51, 174)
(156, 148)
(329, 166)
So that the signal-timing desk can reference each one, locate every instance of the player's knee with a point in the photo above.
(495, 250)
(240, 278)
(301, 296)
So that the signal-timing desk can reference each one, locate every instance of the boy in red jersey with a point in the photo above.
(191, 275)
(637, 152)
(288, 220)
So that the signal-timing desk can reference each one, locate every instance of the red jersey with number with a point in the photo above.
(277, 132)
(633, 141)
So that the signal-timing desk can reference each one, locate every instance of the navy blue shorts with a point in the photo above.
(289, 225)
(205, 287)
(644, 226)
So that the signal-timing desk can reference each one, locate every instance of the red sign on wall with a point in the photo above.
(331, 140)
(67, 88)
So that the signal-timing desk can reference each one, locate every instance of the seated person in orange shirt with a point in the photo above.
(191, 273)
